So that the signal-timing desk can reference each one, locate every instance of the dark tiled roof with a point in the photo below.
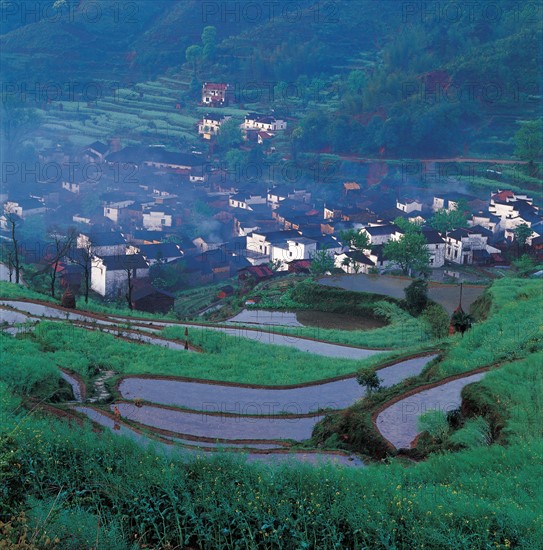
(137, 155)
(98, 146)
(432, 236)
(359, 257)
(382, 229)
(217, 117)
(148, 290)
(106, 238)
(118, 262)
(156, 251)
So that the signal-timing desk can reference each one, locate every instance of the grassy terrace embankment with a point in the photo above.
(513, 331)
(62, 480)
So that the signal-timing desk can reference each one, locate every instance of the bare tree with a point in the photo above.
(14, 259)
(130, 275)
(60, 247)
(82, 256)
(8, 258)
(130, 264)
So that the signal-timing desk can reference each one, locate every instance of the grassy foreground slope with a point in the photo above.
(64, 482)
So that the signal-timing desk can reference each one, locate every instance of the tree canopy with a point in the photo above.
(409, 252)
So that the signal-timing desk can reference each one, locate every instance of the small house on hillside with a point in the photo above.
(256, 273)
(103, 243)
(109, 274)
(469, 246)
(153, 300)
(216, 94)
(210, 125)
(156, 253)
(259, 122)
(353, 261)
(24, 207)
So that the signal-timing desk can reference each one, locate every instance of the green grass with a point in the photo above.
(102, 490)
(513, 330)
(228, 358)
(484, 498)
(13, 291)
(511, 400)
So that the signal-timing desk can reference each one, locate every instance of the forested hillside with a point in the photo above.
(374, 78)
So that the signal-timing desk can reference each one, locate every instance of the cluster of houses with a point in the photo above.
(258, 128)
(138, 206)
(249, 229)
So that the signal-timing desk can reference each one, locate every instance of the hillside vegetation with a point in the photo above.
(64, 484)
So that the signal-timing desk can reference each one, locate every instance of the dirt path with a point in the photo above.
(436, 160)
(398, 422)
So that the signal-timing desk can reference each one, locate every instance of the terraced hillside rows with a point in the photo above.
(233, 414)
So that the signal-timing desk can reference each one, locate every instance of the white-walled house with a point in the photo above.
(297, 248)
(155, 219)
(449, 201)
(463, 244)
(25, 207)
(105, 243)
(210, 125)
(353, 261)
(514, 210)
(435, 244)
(409, 205)
(381, 234)
(246, 200)
(215, 93)
(487, 220)
(109, 275)
(261, 242)
(114, 210)
(256, 121)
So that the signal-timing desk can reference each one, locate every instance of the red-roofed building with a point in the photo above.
(503, 195)
(256, 272)
(215, 94)
(299, 266)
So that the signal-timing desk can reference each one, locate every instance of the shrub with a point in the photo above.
(475, 433)
(437, 320)
(369, 379)
(435, 423)
(416, 297)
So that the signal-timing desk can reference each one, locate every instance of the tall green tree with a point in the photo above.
(229, 135)
(193, 54)
(355, 240)
(529, 143)
(416, 297)
(522, 232)
(447, 220)
(209, 41)
(409, 253)
(321, 262)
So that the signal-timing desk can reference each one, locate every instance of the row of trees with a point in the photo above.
(62, 245)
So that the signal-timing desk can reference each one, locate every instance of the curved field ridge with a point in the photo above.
(315, 458)
(247, 400)
(309, 345)
(398, 422)
(28, 311)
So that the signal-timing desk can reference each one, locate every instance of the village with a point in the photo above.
(153, 221)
